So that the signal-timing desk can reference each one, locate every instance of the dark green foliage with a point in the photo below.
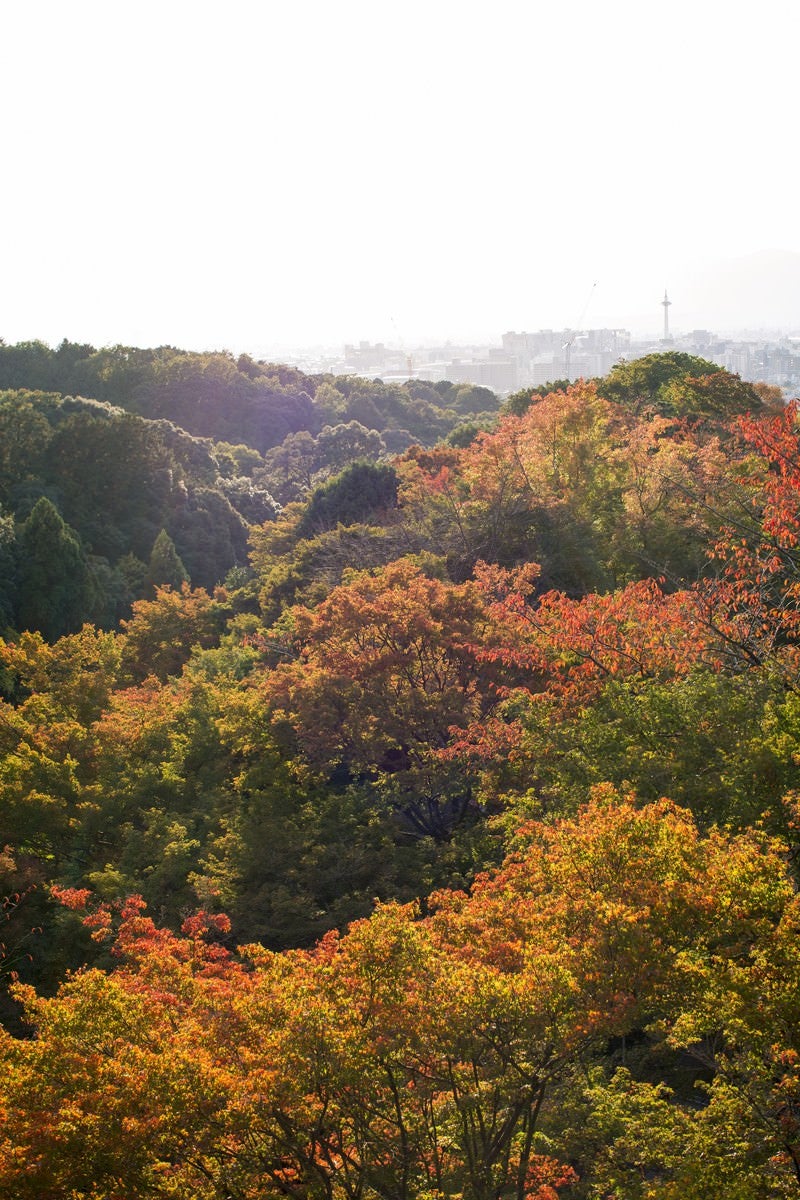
(53, 580)
(114, 477)
(397, 440)
(338, 446)
(519, 402)
(295, 861)
(415, 407)
(8, 570)
(29, 365)
(637, 383)
(209, 397)
(719, 397)
(301, 461)
(316, 564)
(25, 433)
(289, 469)
(238, 401)
(465, 433)
(467, 398)
(252, 502)
(677, 384)
(361, 491)
(293, 858)
(114, 588)
(117, 480)
(570, 547)
(472, 398)
(234, 461)
(242, 404)
(210, 535)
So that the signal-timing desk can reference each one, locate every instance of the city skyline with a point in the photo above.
(774, 273)
(532, 358)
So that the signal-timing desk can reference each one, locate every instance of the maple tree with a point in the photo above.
(419, 1055)
(752, 606)
(676, 490)
(734, 1012)
(596, 495)
(161, 633)
(535, 487)
(344, 725)
(576, 645)
(385, 668)
(721, 745)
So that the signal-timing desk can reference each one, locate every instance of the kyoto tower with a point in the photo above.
(665, 304)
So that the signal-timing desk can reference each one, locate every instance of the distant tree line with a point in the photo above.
(240, 400)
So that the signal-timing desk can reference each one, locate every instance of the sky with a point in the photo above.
(269, 174)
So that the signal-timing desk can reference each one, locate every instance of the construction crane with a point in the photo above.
(408, 357)
(567, 347)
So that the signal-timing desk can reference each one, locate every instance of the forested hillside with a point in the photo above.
(227, 399)
(390, 816)
(151, 465)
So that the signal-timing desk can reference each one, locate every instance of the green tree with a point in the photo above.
(721, 395)
(8, 570)
(519, 402)
(677, 384)
(24, 434)
(165, 566)
(360, 491)
(471, 398)
(464, 434)
(339, 445)
(54, 591)
(236, 460)
(289, 468)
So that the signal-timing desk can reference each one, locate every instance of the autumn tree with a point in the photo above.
(752, 606)
(540, 486)
(162, 632)
(442, 1054)
(676, 489)
(385, 668)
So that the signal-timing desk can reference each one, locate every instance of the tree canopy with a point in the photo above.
(431, 831)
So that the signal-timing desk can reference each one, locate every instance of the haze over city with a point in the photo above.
(268, 176)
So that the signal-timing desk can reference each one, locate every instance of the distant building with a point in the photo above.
(550, 354)
(367, 358)
(498, 374)
(529, 359)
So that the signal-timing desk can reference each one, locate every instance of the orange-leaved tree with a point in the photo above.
(753, 607)
(422, 1055)
(575, 645)
(385, 670)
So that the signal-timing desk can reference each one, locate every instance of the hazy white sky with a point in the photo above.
(253, 174)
